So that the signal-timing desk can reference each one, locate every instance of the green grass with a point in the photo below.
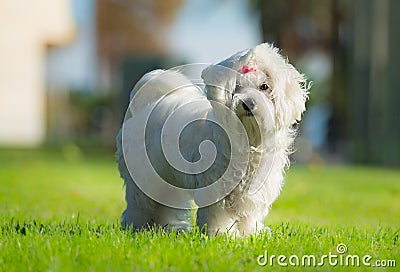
(60, 212)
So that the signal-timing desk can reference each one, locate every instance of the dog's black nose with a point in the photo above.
(248, 105)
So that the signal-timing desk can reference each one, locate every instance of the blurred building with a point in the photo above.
(74, 65)
(49, 48)
(25, 31)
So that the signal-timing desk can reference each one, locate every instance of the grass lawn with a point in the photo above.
(59, 211)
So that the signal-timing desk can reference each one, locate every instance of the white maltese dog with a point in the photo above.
(214, 138)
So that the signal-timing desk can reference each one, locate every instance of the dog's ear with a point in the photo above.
(220, 83)
(221, 78)
(290, 96)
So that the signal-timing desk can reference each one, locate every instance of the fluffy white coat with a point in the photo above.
(281, 91)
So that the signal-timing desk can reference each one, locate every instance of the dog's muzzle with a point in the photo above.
(249, 105)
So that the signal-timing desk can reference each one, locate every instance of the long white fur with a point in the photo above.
(241, 212)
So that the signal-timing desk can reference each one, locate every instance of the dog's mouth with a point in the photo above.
(244, 105)
(248, 114)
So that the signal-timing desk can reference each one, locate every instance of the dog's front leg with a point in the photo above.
(251, 224)
(217, 219)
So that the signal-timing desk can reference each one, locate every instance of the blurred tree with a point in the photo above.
(131, 27)
(392, 99)
(296, 25)
(131, 37)
(303, 27)
(361, 38)
(376, 95)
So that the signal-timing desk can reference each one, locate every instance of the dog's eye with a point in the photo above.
(264, 87)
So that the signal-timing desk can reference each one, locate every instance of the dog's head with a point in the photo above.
(255, 80)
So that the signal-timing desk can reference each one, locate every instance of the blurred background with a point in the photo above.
(67, 66)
